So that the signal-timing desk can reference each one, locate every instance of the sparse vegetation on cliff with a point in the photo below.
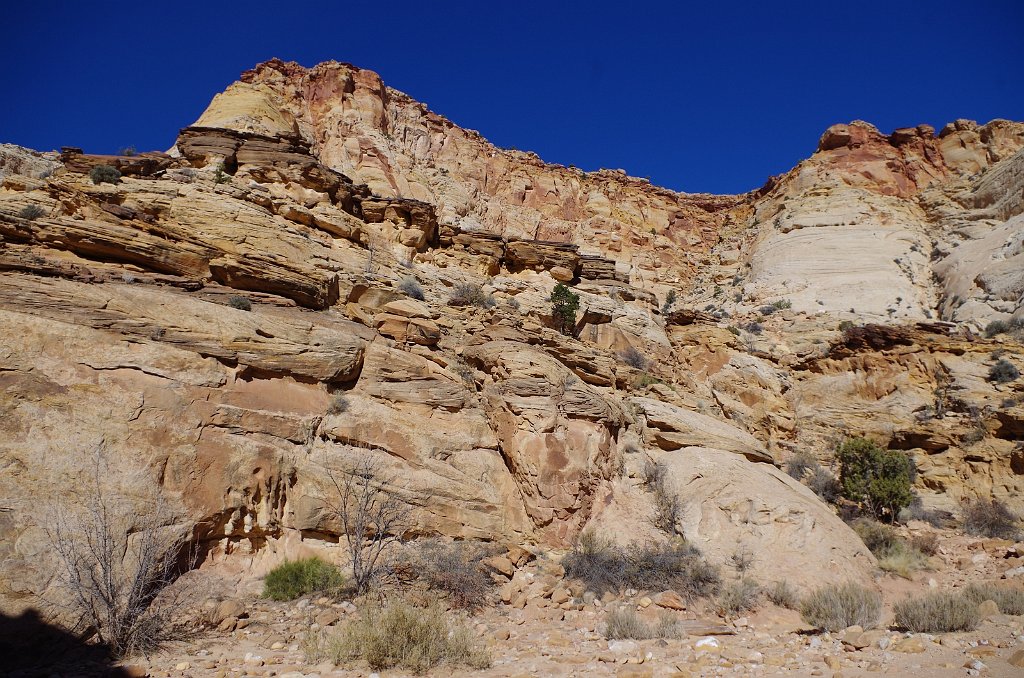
(564, 305)
(104, 174)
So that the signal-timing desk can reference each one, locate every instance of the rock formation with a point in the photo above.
(240, 313)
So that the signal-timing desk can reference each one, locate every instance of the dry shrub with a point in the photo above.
(339, 405)
(837, 606)
(938, 612)
(667, 506)
(985, 518)
(1009, 599)
(454, 568)
(783, 595)
(623, 623)
(117, 553)
(602, 567)
(467, 294)
(410, 287)
(893, 552)
(738, 597)
(401, 636)
(927, 543)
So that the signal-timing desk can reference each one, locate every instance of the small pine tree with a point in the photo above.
(876, 478)
(564, 305)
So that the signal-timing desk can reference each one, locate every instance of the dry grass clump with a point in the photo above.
(623, 623)
(1009, 599)
(602, 567)
(990, 519)
(398, 635)
(410, 287)
(938, 612)
(783, 595)
(837, 606)
(739, 597)
(454, 569)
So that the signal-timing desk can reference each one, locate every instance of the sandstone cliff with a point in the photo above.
(319, 195)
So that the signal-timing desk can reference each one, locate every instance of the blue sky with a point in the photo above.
(711, 96)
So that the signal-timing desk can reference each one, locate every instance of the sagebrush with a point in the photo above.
(836, 606)
(456, 570)
(623, 623)
(1007, 597)
(990, 518)
(937, 612)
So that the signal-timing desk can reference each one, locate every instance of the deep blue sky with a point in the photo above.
(709, 96)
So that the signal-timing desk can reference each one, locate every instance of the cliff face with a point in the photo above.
(324, 200)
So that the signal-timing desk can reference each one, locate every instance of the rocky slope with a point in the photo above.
(318, 195)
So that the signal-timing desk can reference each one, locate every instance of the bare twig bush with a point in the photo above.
(455, 569)
(938, 612)
(372, 516)
(410, 287)
(986, 518)
(468, 294)
(634, 358)
(117, 553)
(837, 606)
(339, 404)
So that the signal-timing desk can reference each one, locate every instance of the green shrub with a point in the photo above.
(31, 212)
(990, 518)
(937, 612)
(296, 578)
(1003, 372)
(1009, 599)
(738, 597)
(670, 299)
(401, 636)
(454, 569)
(564, 305)
(467, 294)
(241, 303)
(877, 479)
(104, 174)
(411, 287)
(783, 595)
(837, 606)
(623, 623)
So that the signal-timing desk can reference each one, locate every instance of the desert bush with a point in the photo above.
(31, 212)
(564, 305)
(877, 479)
(996, 327)
(116, 556)
(1009, 599)
(753, 327)
(398, 635)
(990, 518)
(296, 578)
(468, 294)
(917, 511)
(805, 468)
(738, 597)
(927, 543)
(602, 566)
(339, 404)
(241, 303)
(411, 287)
(634, 358)
(894, 554)
(783, 595)
(104, 174)
(623, 623)
(782, 304)
(372, 516)
(1003, 372)
(127, 150)
(837, 606)
(670, 299)
(937, 612)
(454, 569)
(667, 506)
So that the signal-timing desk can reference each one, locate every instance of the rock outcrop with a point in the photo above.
(268, 303)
